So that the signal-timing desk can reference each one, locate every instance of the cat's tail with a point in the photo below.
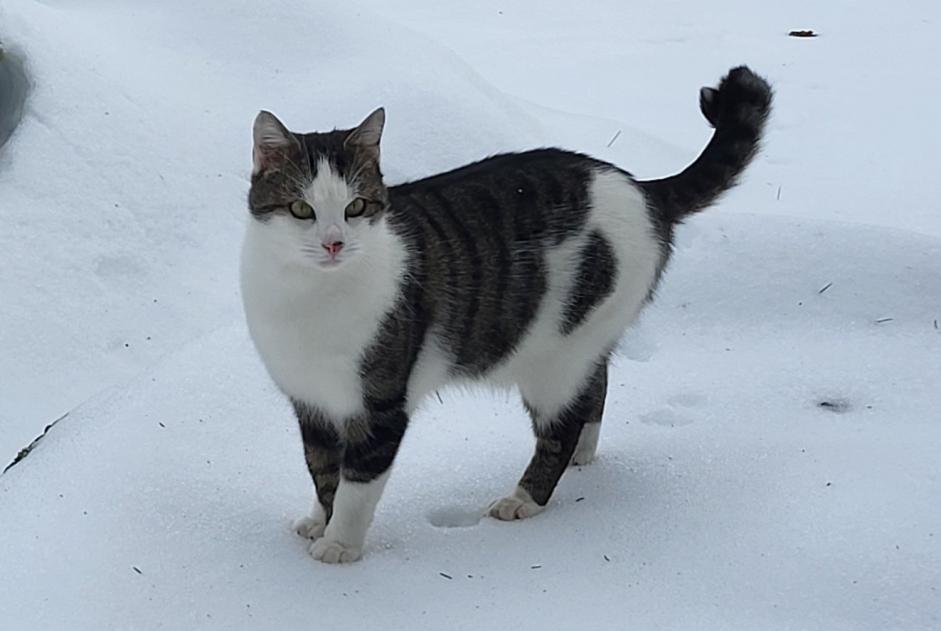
(738, 110)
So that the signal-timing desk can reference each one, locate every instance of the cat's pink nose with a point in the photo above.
(333, 248)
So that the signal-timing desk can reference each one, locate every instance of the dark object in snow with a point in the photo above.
(824, 288)
(25, 451)
(136, 569)
(13, 89)
(839, 406)
(447, 576)
(806, 33)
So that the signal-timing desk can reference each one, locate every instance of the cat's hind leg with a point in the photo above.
(587, 443)
(558, 437)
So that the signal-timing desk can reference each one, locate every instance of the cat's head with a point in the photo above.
(319, 196)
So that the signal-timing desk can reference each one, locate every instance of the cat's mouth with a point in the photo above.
(329, 263)
(319, 259)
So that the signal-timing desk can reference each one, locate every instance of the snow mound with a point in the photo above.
(769, 454)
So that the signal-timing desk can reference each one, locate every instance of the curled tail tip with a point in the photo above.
(743, 96)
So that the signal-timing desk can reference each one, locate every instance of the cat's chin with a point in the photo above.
(330, 266)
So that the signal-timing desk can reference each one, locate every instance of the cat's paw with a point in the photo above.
(331, 551)
(310, 527)
(520, 505)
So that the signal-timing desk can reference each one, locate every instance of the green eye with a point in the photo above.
(356, 207)
(301, 209)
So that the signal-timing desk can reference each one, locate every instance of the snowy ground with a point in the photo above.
(770, 454)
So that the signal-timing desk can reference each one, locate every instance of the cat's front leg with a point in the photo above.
(323, 453)
(370, 449)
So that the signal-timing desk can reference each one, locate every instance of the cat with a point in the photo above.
(523, 269)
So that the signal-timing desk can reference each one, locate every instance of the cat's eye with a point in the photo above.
(355, 208)
(301, 209)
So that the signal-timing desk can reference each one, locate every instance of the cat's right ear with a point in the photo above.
(272, 141)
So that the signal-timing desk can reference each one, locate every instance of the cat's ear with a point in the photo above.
(272, 142)
(368, 133)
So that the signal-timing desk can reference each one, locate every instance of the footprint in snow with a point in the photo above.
(670, 416)
(665, 418)
(454, 517)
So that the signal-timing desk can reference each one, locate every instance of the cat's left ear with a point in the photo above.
(368, 133)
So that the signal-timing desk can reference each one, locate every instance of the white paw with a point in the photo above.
(310, 527)
(330, 551)
(520, 505)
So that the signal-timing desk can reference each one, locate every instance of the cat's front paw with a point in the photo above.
(520, 505)
(331, 551)
(310, 527)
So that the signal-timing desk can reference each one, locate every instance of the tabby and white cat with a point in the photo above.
(522, 269)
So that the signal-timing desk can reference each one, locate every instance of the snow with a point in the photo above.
(724, 496)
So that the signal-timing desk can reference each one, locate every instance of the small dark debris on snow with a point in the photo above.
(824, 288)
(440, 400)
(447, 576)
(884, 320)
(579, 499)
(535, 567)
(615, 137)
(829, 483)
(136, 569)
(606, 557)
(160, 423)
(802, 33)
(838, 406)
(935, 325)
(25, 451)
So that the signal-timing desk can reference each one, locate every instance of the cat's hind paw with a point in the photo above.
(330, 551)
(520, 505)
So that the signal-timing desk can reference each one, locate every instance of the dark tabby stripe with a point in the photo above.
(593, 282)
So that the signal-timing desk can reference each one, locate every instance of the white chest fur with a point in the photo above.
(311, 326)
